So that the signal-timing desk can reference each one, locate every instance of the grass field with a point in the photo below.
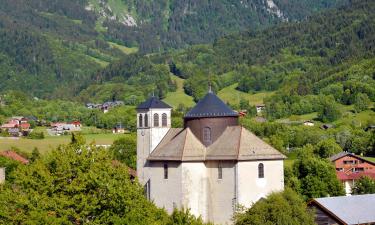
(179, 96)
(372, 159)
(123, 48)
(230, 94)
(51, 142)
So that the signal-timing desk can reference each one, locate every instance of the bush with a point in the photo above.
(36, 135)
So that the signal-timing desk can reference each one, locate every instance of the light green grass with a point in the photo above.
(51, 142)
(372, 159)
(124, 49)
(102, 63)
(179, 96)
(230, 94)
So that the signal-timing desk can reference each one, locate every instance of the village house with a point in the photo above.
(210, 166)
(118, 129)
(16, 126)
(309, 123)
(106, 106)
(260, 108)
(59, 128)
(344, 210)
(351, 167)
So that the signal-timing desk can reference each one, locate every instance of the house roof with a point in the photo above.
(341, 175)
(342, 154)
(236, 143)
(15, 156)
(355, 209)
(153, 103)
(210, 106)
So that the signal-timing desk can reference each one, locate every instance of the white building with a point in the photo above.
(211, 165)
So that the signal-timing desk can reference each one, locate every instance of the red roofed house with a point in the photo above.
(350, 167)
(15, 156)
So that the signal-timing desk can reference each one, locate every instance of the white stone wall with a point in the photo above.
(148, 138)
(2, 175)
(166, 192)
(195, 188)
(251, 188)
(221, 192)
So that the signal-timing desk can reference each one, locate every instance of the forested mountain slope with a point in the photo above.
(51, 48)
(331, 53)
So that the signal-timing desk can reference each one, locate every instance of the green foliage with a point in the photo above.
(76, 184)
(10, 166)
(365, 185)
(36, 135)
(35, 154)
(326, 148)
(184, 217)
(317, 176)
(362, 102)
(285, 207)
(329, 110)
(124, 149)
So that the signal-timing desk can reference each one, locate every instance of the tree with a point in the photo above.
(35, 154)
(124, 149)
(365, 185)
(361, 102)
(329, 110)
(76, 184)
(317, 177)
(326, 148)
(285, 207)
(184, 217)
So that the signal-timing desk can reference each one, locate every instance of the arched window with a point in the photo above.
(207, 135)
(146, 120)
(156, 120)
(260, 170)
(140, 120)
(164, 120)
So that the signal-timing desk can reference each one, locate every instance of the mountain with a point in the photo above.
(330, 53)
(54, 49)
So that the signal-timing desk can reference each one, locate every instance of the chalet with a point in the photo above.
(260, 107)
(118, 129)
(344, 210)
(309, 123)
(351, 167)
(59, 128)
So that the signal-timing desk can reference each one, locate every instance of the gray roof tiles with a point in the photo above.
(153, 103)
(236, 143)
(210, 106)
(355, 209)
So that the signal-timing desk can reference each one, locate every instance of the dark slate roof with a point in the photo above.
(153, 103)
(355, 209)
(210, 106)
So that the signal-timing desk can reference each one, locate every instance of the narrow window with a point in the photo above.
(260, 170)
(207, 135)
(164, 120)
(146, 120)
(140, 120)
(147, 190)
(156, 120)
(219, 171)
(165, 171)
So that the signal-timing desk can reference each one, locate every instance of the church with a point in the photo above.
(210, 166)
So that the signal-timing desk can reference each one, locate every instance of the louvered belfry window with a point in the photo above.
(140, 120)
(156, 120)
(164, 120)
(146, 120)
(207, 135)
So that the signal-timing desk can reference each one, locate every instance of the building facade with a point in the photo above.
(351, 167)
(210, 166)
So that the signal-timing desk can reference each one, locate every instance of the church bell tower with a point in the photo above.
(153, 123)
